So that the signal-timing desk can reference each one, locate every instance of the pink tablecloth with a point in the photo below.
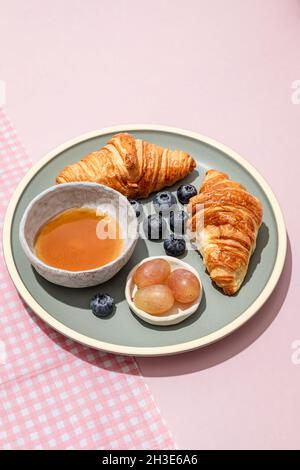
(55, 393)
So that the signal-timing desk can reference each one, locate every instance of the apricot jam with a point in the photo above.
(79, 239)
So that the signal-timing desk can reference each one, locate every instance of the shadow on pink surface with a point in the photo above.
(230, 346)
(200, 359)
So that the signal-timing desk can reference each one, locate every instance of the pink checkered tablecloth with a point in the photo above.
(55, 393)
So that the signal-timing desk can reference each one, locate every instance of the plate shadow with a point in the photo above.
(225, 349)
(194, 361)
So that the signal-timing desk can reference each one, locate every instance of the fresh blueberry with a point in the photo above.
(174, 246)
(163, 202)
(137, 206)
(154, 226)
(178, 221)
(185, 192)
(102, 305)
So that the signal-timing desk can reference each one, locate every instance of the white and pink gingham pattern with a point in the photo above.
(55, 393)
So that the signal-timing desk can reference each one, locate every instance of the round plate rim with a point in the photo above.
(154, 350)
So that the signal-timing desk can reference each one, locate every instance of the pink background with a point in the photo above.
(224, 69)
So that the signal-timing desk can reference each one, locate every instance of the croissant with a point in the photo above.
(132, 166)
(224, 222)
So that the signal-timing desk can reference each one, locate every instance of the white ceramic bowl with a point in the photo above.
(61, 197)
(179, 312)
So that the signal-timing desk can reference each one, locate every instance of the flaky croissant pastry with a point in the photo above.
(224, 222)
(131, 166)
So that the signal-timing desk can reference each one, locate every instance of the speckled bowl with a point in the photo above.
(59, 198)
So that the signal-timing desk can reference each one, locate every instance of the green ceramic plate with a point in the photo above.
(67, 310)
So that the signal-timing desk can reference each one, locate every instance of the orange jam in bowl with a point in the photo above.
(79, 239)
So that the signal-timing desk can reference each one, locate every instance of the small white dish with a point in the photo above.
(59, 198)
(179, 312)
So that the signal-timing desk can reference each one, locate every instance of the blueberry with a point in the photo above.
(102, 305)
(178, 221)
(185, 192)
(138, 208)
(154, 226)
(174, 246)
(163, 202)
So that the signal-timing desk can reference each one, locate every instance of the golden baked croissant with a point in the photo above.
(131, 166)
(224, 222)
